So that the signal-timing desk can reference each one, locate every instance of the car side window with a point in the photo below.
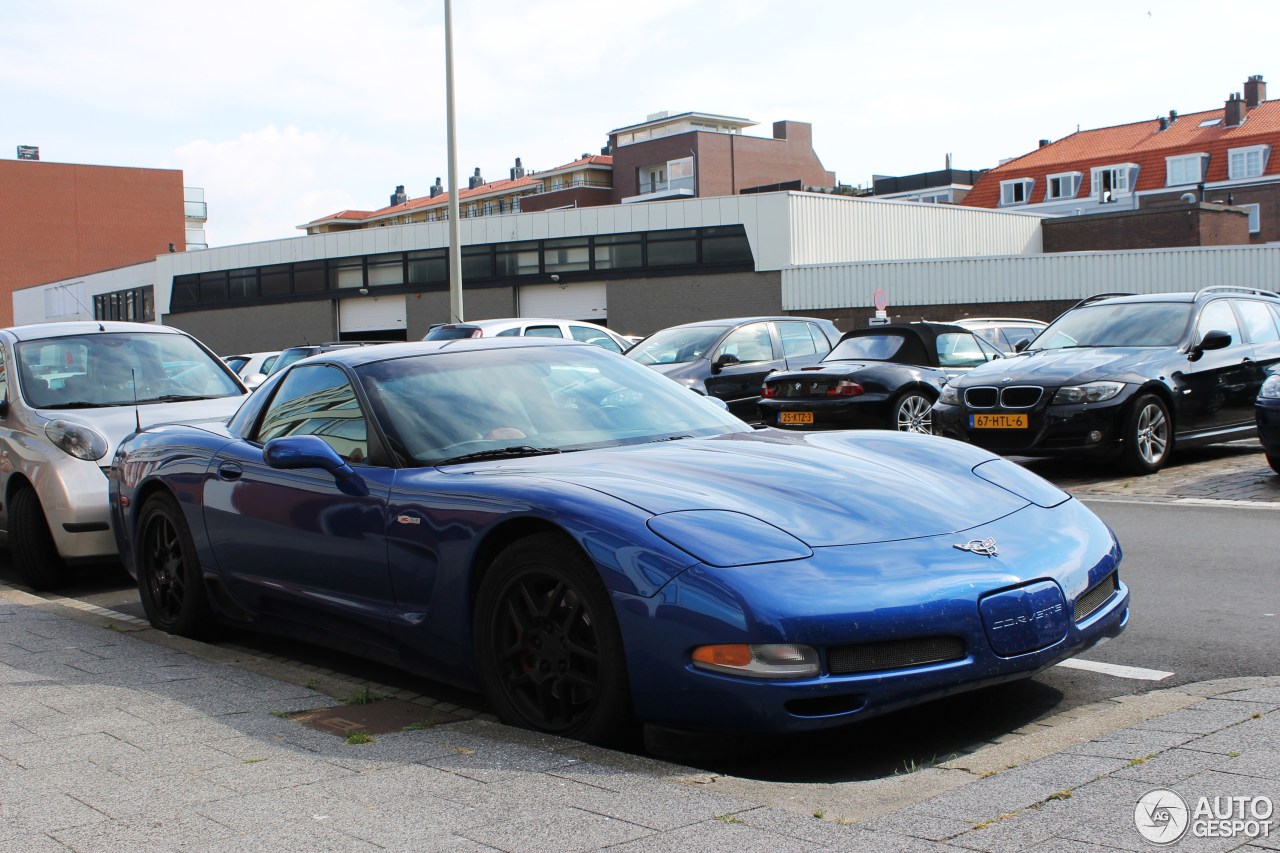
(4, 381)
(959, 350)
(1258, 321)
(594, 336)
(318, 400)
(1218, 315)
(797, 339)
(543, 332)
(749, 343)
(509, 333)
(1013, 334)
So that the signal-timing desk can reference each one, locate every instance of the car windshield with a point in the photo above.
(443, 406)
(1124, 324)
(117, 369)
(291, 355)
(451, 333)
(677, 345)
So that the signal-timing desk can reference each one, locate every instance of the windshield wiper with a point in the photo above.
(668, 438)
(173, 398)
(500, 453)
(83, 404)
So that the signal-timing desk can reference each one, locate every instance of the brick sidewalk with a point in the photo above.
(1228, 472)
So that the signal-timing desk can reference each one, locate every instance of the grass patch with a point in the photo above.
(912, 766)
(1233, 755)
(728, 818)
(1064, 794)
(364, 696)
(252, 760)
(284, 715)
(312, 685)
(359, 737)
(819, 814)
(1143, 760)
(432, 719)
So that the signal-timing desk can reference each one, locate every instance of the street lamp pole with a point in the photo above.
(455, 246)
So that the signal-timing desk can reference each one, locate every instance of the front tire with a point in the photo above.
(1274, 462)
(170, 583)
(548, 645)
(35, 556)
(1148, 436)
(912, 412)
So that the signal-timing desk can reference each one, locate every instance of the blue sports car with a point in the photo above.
(592, 544)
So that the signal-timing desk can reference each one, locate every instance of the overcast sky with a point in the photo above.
(288, 111)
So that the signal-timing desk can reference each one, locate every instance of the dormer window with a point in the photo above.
(1184, 169)
(1111, 182)
(1017, 191)
(1248, 162)
(1062, 186)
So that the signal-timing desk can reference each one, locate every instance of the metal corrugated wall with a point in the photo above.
(1029, 278)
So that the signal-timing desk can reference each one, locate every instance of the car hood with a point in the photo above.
(1063, 366)
(117, 422)
(822, 488)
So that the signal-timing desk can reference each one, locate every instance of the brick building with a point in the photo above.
(1219, 157)
(59, 220)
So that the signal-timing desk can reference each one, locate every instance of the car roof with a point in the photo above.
(497, 321)
(40, 331)
(739, 321)
(925, 330)
(973, 321)
(1213, 291)
(358, 356)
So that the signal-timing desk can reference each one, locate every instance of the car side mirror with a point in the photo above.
(1213, 339)
(724, 360)
(253, 380)
(301, 452)
(1022, 344)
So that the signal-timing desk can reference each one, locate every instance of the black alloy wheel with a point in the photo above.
(35, 555)
(548, 643)
(912, 412)
(170, 583)
(1148, 436)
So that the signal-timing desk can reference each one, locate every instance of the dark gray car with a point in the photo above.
(729, 359)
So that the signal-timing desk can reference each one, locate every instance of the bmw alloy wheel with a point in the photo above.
(914, 413)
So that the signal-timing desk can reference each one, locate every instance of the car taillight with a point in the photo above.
(767, 390)
(845, 388)
(478, 333)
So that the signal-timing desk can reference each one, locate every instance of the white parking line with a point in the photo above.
(1205, 502)
(1134, 672)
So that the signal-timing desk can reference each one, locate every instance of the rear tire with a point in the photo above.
(1274, 462)
(548, 644)
(170, 582)
(912, 412)
(1148, 436)
(35, 556)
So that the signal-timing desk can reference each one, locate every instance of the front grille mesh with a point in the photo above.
(893, 654)
(981, 398)
(1091, 601)
(1020, 396)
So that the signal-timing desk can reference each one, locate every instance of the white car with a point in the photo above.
(535, 327)
(1003, 333)
(71, 392)
(251, 364)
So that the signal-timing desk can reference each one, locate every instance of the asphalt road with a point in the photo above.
(1206, 604)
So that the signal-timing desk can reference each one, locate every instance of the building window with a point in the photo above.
(1255, 217)
(1016, 191)
(618, 251)
(1110, 182)
(1247, 162)
(1063, 185)
(568, 254)
(136, 305)
(1185, 169)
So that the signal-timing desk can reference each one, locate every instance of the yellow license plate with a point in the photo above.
(998, 421)
(795, 417)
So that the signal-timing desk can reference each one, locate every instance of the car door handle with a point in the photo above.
(229, 471)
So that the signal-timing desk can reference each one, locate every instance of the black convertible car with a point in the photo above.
(882, 377)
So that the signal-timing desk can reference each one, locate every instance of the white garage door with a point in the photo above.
(571, 302)
(371, 314)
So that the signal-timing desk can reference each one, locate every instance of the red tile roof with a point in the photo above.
(493, 188)
(1142, 143)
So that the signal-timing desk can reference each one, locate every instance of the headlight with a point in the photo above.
(1271, 388)
(950, 396)
(1091, 392)
(771, 660)
(76, 440)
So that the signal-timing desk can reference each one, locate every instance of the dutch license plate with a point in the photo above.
(998, 421)
(795, 417)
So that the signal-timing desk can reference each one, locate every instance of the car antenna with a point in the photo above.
(67, 288)
(133, 381)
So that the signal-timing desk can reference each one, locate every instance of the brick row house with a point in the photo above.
(1204, 178)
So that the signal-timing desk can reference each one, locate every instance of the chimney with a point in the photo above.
(398, 197)
(437, 188)
(1173, 116)
(1164, 123)
(1255, 91)
(476, 180)
(518, 171)
(1044, 142)
(1233, 115)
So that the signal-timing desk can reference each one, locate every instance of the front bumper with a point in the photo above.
(1268, 416)
(1083, 429)
(880, 595)
(73, 494)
